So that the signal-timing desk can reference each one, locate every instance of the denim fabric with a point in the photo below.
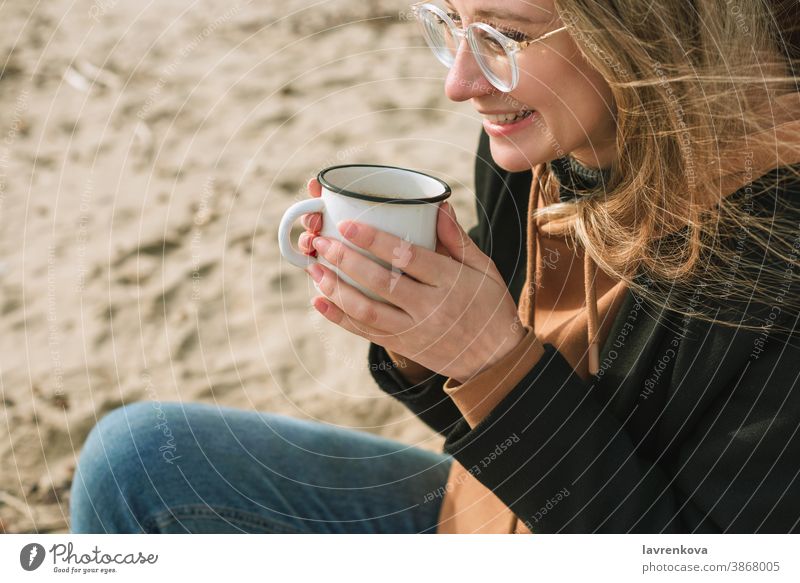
(173, 467)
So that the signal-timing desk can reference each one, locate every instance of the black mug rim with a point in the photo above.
(352, 194)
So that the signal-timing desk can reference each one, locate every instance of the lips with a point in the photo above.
(508, 124)
(507, 118)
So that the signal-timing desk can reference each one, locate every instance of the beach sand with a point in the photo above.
(148, 151)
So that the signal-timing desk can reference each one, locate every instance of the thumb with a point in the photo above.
(457, 242)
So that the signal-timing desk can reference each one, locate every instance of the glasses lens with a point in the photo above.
(490, 51)
(439, 36)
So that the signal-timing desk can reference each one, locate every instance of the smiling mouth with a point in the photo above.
(508, 118)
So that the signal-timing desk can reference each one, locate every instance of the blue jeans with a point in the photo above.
(173, 467)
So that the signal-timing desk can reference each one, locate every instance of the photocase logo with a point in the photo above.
(31, 556)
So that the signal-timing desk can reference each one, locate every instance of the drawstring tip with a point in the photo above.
(594, 359)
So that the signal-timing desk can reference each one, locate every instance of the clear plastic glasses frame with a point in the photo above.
(427, 15)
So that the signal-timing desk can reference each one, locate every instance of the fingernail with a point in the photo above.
(315, 271)
(321, 244)
(322, 307)
(348, 229)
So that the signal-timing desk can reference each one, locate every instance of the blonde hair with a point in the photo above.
(699, 89)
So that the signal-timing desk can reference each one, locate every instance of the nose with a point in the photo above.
(465, 79)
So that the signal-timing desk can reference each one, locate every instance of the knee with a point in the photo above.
(112, 470)
(116, 440)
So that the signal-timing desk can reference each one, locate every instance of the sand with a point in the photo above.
(148, 150)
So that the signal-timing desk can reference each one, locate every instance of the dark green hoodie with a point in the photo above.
(687, 427)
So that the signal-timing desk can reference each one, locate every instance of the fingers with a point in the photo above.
(457, 242)
(333, 313)
(441, 249)
(388, 284)
(305, 244)
(370, 314)
(314, 188)
(311, 221)
(420, 263)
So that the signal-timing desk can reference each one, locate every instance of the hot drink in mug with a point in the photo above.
(402, 202)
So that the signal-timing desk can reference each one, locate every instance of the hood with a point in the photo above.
(564, 294)
(573, 299)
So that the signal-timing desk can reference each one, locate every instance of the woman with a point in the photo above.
(610, 349)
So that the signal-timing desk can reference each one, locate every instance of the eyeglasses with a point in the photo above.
(495, 53)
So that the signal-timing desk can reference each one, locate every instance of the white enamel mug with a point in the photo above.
(402, 202)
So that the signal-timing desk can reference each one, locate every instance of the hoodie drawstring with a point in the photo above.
(590, 291)
(533, 277)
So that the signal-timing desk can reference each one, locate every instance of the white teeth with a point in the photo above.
(508, 118)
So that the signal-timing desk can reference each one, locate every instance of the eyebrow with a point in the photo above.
(502, 14)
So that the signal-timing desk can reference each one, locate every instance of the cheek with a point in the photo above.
(578, 104)
(573, 102)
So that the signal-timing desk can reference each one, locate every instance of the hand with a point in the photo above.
(450, 311)
(313, 224)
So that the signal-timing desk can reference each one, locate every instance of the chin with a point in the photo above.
(512, 158)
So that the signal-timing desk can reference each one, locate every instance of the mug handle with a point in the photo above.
(313, 205)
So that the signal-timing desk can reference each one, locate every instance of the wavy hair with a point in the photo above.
(705, 94)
